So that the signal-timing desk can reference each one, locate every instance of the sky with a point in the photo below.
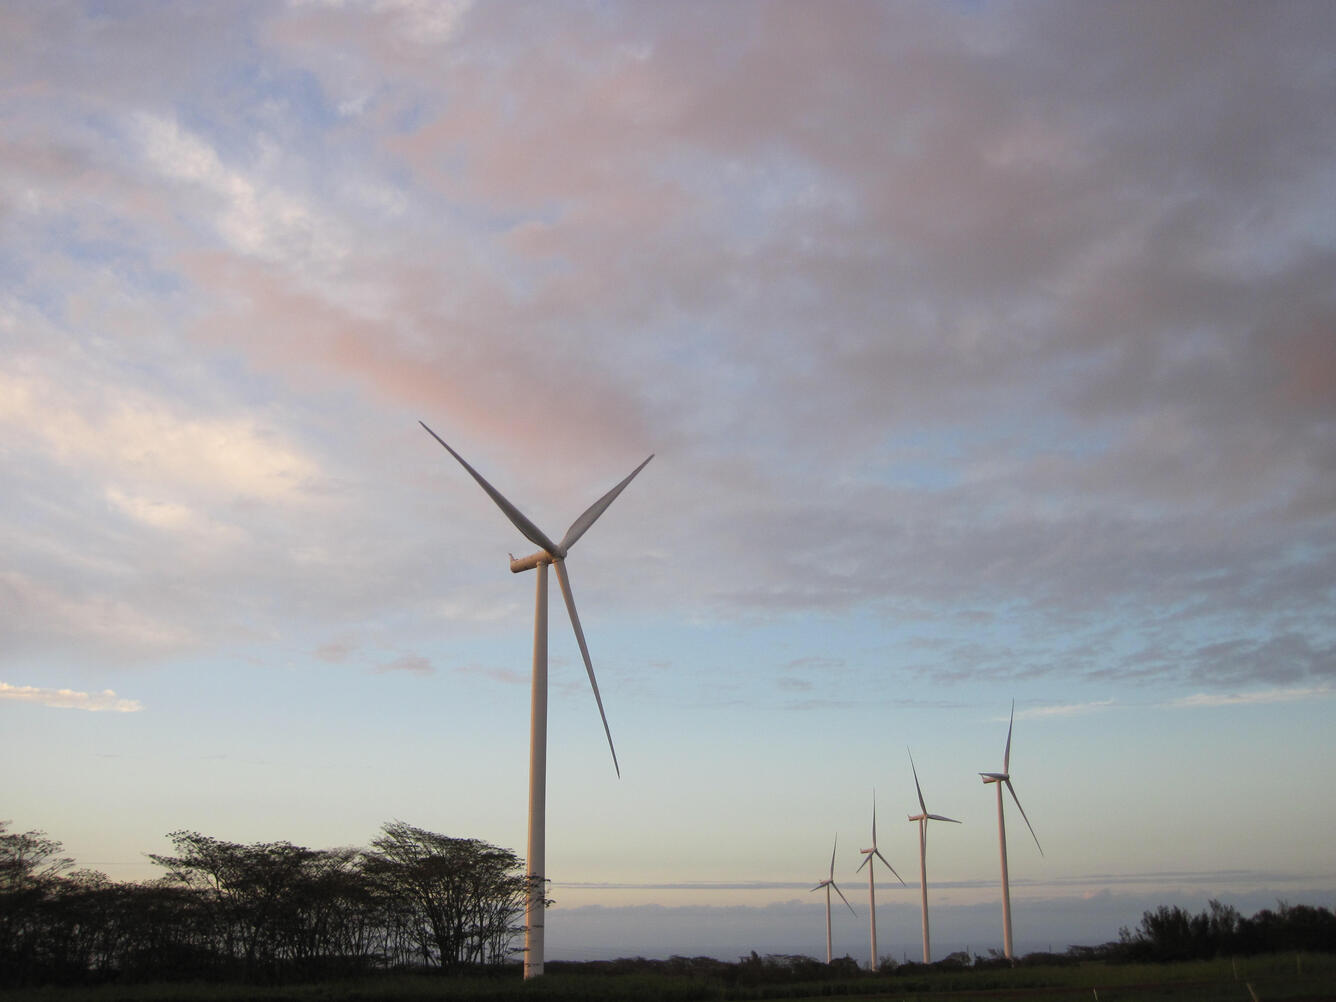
(986, 351)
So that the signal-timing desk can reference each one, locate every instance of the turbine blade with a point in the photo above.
(517, 518)
(582, 524)
(565, 583)
(832, 856)
(874, 818)
(922, 806)
(843, 898)
(1027, 820)
(890, 867)
(866, 860)
(1006, 756)
(938, 817)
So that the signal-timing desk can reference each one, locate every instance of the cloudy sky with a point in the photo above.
(987, 351)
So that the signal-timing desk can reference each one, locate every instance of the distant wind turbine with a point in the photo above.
(1001, 778)
(828, 883)
(871, 880)
(554, 554)
(923, 817)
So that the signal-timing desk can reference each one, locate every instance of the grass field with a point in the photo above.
(1281, 976)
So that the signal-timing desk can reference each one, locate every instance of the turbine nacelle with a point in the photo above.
(520, 564)
(994, 777)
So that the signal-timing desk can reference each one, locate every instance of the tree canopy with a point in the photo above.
(263, 911)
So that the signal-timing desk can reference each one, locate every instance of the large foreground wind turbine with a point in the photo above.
(554, 554)
(1001, 778)
(871, 881)
(828, 883)
(923, 817)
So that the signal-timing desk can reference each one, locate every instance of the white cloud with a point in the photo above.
(1065, 709)
(506, 675)
(160, 514)
(70, 699)
(414, 664)
(107, 623)
(479, 607)
(154, 442)
(255, 216)
(1260, 697)
(175, 518)
(427, 22)
(822, 325)
(233, 453)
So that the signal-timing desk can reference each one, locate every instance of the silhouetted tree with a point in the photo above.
(1171, 933)
(255, 891)
(335, 920)
(30, 868)
(1289, 927)
(462, 895)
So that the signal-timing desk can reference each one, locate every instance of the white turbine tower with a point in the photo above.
(871, 882)
(923, 818)
(554, 554)
(828, 883)
(1000, 779)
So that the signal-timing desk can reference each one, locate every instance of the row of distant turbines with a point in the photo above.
(999, 779)
(554, 554)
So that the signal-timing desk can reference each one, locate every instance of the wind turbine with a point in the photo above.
(828, 883)
(554, 554)
(871, 883)
(1001, 778)
(923, 818)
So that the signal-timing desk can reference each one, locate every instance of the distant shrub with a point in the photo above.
(1170, 933)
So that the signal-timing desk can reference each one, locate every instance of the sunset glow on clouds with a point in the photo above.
(987, 351)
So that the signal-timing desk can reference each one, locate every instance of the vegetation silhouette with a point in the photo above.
(1170, 933)
(267, 912)
(417, 901)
